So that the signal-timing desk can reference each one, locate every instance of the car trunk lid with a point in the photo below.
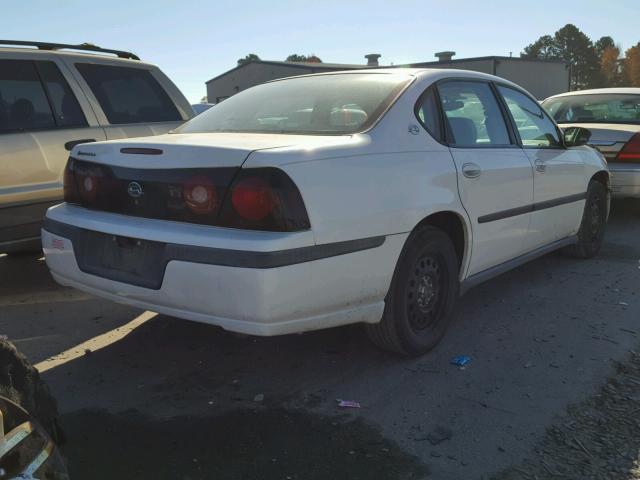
(608, 138)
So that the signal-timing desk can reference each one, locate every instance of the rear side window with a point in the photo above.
(23, 101)
(535, 128)
(473, 115)
(428, 113)
(65, 105)
(129, 95)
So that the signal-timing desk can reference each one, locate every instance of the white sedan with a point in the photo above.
(323, 200)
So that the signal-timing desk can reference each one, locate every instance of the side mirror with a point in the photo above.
(576, 136)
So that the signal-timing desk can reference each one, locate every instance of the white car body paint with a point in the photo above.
(380, 183)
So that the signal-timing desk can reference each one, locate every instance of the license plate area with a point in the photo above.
(123, 259)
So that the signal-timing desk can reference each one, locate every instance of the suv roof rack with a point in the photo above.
(87, 47)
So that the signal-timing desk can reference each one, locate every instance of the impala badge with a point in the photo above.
(135, 190)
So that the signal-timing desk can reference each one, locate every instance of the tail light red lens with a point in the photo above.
(70, 188)
(200, 195)
(631, 150)
(264, 199)
(252, 198)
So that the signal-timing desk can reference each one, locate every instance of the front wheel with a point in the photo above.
(422, 296)
(594, 221)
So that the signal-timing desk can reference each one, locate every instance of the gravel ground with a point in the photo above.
(598, 439)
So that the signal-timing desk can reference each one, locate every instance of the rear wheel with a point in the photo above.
(592, 227)
(29, 433)
(422, 296)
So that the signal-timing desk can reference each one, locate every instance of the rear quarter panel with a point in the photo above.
(383, 182)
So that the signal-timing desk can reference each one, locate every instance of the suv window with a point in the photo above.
(129, 95)
(473, 114)
(534, 126)
(428, 113)
(65, 105)
(23, 102)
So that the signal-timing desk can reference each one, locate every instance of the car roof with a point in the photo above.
(600, 91)
(422, 73)
(93, 57)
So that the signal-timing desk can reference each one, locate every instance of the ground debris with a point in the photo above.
(598, 438)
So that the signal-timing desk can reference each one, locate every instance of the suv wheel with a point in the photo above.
(422, 295)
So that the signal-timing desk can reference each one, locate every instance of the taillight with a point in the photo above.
(631, 150)
(252, 198)
(70, 188)
(264, 199)
(200, 195)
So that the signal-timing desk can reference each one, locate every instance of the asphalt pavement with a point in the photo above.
(154, 397)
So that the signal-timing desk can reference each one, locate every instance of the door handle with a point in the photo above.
(471, 170)
(72, 143)
(541, 166)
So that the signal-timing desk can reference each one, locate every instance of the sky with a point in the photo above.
(193, 41)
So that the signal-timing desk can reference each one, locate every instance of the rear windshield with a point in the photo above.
(323, 105)
(597, 108)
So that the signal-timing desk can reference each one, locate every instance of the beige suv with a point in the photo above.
(55, 96)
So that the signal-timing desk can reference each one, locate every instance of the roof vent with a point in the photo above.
(372, 59)
(445, 56)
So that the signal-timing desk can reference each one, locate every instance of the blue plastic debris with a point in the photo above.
(460, 360)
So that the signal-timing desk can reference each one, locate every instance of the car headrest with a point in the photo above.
(22, 111)
(347, 117)
(464, 131)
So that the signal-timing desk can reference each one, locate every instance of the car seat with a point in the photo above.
(22, 113)
(464, 131)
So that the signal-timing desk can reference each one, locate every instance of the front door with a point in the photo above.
(495, 177)
(559, 185)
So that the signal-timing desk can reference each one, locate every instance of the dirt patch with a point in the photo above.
(598, 439)
(256, 443)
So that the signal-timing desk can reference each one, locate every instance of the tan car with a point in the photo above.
(55, 96)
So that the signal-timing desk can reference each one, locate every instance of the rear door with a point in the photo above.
(40, 117)
(134, 101)
(495, 177)
(559, 173)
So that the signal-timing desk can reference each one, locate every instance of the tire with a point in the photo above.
(422, 296)
(594, 221)
(25, 400)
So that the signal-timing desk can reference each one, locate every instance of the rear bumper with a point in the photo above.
(297, 289)
(625, 180)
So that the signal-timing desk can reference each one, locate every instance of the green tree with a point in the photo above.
(295, 57)
(573, 46)
(252, 57)
(603, 44)
(544, 48)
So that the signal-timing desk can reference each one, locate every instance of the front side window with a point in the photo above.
(128, 95)
(473, 115)
(23, 101)
(334, 104)
(535, 128)
(595, 108)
